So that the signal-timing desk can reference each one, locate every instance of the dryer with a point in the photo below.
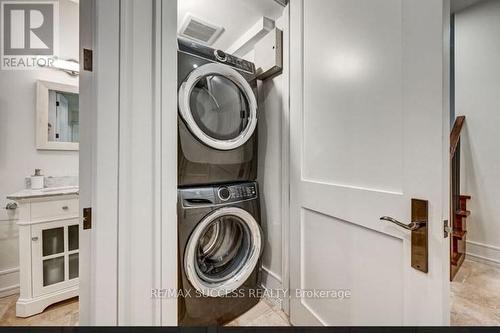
(217, 125)
(220, 244)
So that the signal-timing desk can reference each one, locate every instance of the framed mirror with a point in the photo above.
(57, 112)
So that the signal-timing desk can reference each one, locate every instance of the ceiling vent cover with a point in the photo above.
(200, 30)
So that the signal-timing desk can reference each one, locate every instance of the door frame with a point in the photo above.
(167, 99)
(109, 173)
(285, 162)
(98, 165)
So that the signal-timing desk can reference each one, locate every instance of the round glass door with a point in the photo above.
(218, 106)
(223, 251)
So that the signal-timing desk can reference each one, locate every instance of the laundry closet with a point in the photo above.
(232, 152)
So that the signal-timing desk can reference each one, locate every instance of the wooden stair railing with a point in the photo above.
(455, 134)
(459, 211)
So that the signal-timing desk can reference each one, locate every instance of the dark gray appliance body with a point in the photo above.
(199, 163)
(196, 205)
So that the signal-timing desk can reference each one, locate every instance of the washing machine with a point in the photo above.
(217, 125)
(220, 245)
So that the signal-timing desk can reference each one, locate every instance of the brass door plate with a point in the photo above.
(419, 237)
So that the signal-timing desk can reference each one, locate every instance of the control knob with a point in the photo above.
(224, 193)
(220, 55)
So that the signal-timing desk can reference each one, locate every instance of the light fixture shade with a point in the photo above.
(66, 65)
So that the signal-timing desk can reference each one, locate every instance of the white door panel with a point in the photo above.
(348, 258)
(352, 68)
(368, 117)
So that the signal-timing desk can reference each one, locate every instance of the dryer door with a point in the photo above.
(223, 251)
(219, 106)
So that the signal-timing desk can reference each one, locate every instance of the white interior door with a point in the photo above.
(132, 245)
(99, 145)
(369, 129)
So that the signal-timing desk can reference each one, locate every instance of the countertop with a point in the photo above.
(46, 192)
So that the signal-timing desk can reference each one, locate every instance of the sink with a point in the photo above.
(61, 188)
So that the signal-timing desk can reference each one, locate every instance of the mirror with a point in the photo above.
(58, 126)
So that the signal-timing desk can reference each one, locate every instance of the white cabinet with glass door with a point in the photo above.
(54, 256)
(48, 251)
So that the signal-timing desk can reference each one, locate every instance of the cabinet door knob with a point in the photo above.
(65, 207)
(34, 239)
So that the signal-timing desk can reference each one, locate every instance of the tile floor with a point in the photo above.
(265, 313)
(475, 295)
(475, 300)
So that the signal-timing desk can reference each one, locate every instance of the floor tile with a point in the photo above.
(475, 295)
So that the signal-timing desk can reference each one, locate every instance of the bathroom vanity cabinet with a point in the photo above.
(48, 249)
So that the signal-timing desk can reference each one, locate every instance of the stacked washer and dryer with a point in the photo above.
(220, 238)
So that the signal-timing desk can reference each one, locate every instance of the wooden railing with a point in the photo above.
(455, 134)
(459, 211)
(455, 162)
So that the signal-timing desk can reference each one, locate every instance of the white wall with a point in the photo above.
(235, 16)
(273, 110)
(269, 178)
(18, 155)
(477, 75)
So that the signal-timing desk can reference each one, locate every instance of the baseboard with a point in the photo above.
(270, 280)
(272, 283)
(484, 253)
(9, 291)
(9, 282)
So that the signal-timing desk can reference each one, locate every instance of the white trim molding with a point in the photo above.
(485, 253)
(167, 160)
(9, 282)
(270, 279)
(285, 161)
(273, 285)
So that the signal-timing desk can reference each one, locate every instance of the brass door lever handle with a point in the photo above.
(412, 226)
(419, 233)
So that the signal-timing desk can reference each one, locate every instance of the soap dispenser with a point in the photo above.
(37, 180)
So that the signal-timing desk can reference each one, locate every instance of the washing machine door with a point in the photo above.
(218, 106)
(223, 251)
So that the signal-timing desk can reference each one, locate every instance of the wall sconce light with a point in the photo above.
(70, 66)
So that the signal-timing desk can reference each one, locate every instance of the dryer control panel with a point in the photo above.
(215, 55)
(237, 192)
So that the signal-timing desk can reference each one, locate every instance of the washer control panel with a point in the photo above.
(239, 192)
(215, 195)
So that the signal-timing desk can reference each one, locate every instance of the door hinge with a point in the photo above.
(88, 60)
(446, 228)
(87, 218)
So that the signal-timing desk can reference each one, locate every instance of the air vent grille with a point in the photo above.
(200, 30)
